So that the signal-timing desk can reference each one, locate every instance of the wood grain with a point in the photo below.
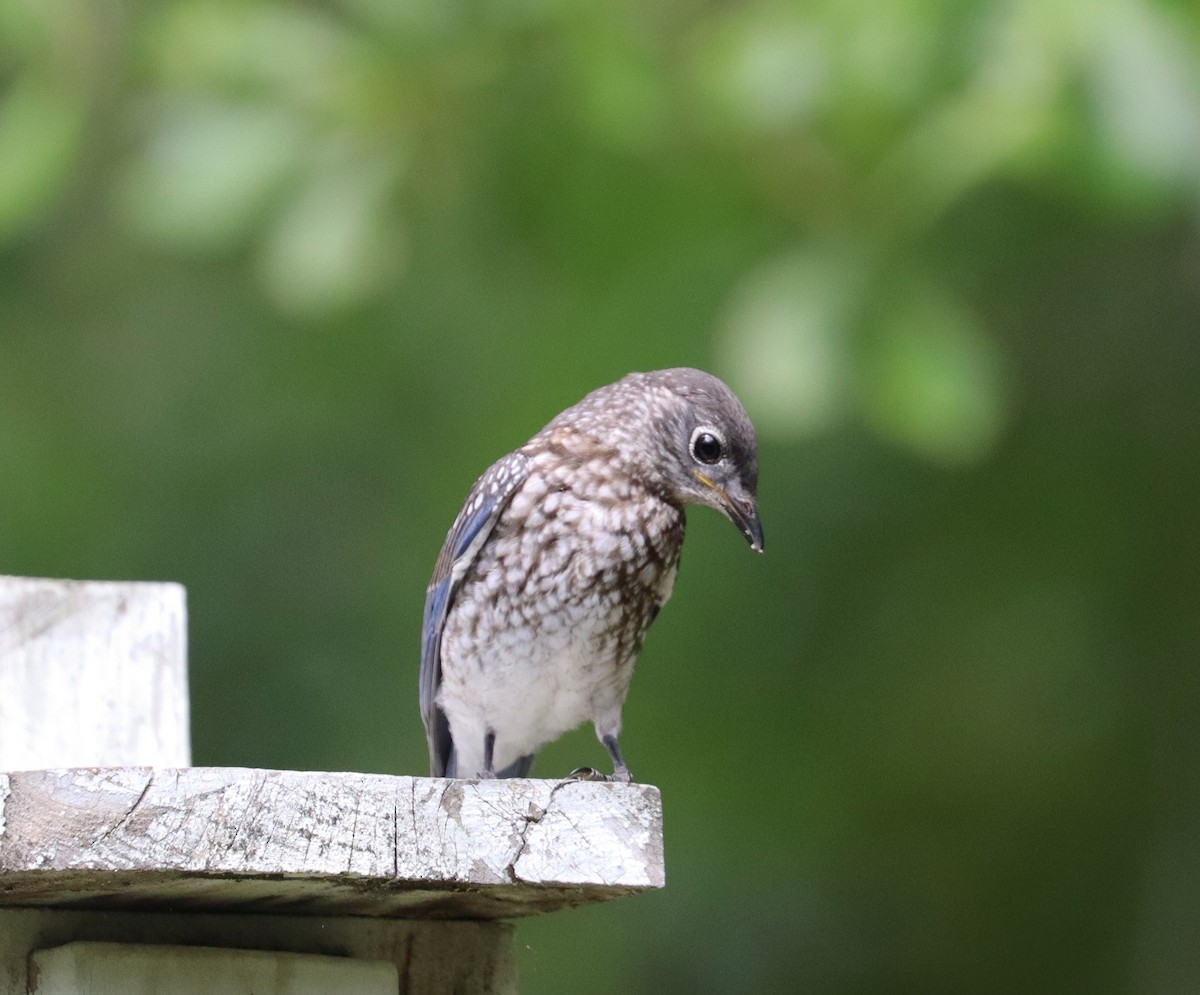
(237, 839)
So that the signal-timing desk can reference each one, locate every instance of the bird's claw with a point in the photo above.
(620, 776)
(587, 774)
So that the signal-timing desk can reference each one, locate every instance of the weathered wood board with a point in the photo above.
(246, 840)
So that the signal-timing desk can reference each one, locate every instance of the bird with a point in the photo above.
(560, 559)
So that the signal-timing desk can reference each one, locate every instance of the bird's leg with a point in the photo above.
(489, 749)
(620, 771)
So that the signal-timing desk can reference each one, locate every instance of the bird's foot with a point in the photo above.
(620, 776)
(586, 774)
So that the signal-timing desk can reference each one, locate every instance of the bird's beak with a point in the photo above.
(740, 509)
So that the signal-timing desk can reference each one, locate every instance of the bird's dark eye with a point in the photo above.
(706, 447)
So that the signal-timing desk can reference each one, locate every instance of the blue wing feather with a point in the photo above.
(471, 529)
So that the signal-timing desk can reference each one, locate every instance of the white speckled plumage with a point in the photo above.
(561, 558)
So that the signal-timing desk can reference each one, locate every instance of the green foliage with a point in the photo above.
(279, 279)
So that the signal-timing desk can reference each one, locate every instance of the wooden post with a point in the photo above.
(92, 674)
(124, 870)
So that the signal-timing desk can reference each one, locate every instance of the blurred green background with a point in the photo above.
(278, 280)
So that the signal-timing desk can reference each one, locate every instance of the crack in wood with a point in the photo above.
(125, 819)
(536, 814)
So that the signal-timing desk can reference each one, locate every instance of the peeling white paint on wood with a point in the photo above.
(92, 673)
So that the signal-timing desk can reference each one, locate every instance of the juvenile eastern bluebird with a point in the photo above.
(560, 559)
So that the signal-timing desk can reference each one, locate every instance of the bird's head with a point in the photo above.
(708, 450)
(682, 432)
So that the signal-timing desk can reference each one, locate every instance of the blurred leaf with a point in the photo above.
(274, 50)
(40, 133)
(931, 379)
(887, 53)
(1146, 85)
(785, 340)
(209, 170)
(981, 128)
(336, 242)
(764, 67)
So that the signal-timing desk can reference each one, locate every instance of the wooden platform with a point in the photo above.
(234, 839)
